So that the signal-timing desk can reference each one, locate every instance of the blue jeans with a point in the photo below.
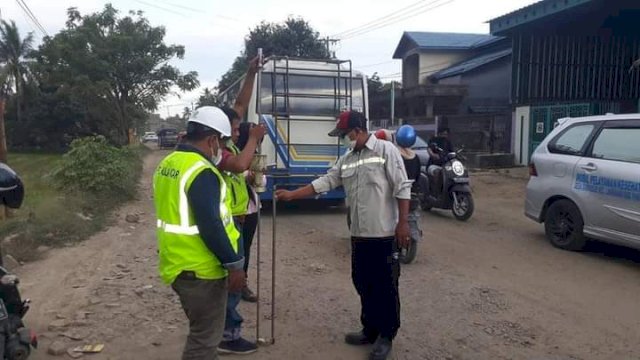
(233, 319)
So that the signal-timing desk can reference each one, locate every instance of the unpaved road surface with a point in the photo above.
(491, 288)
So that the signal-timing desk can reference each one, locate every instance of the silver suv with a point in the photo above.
(585, 181)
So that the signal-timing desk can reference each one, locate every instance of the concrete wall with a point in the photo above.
(521, 135)
(410, 67)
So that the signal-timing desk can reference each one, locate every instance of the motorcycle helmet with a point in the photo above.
(11, 187)
(380, 134)
(406, 136)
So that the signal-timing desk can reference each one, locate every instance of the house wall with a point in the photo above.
(410, 67)
(433, 61)
(521, 135)
(492, 81)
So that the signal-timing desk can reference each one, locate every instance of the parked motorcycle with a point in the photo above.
(449, 187)
(16, 340)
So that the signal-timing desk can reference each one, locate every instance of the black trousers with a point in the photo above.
(248, 231)
(375, 271)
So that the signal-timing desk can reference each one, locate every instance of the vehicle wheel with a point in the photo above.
(408, 255)
(463, 208)
(424, 204)
(564, 226)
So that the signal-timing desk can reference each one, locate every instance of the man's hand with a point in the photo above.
(258, 132)
(284, 195)
(237, 280)
(403, 235)
(254, 65)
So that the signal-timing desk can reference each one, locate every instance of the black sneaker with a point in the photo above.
(237, 347)
(381, 349)
(358, 338)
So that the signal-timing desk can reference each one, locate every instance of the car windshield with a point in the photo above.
(420, 143)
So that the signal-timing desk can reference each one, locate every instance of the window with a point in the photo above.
(310, 95)
(572, 140)
(619, 144)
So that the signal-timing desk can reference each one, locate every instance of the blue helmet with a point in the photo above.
(406, 136)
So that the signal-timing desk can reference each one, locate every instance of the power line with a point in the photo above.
(31, 15)
(343, 33)
(372, 65)
(175, 12)
(25, 8)
(181, 6)
(396, 19)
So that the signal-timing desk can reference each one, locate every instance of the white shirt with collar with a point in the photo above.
(374, 178)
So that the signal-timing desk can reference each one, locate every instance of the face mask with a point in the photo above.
(346, 141)
(217, 157)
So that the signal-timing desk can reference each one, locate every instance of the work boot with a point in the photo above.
(248, 295)
(358, 338)
(237, 347)
(381, 349)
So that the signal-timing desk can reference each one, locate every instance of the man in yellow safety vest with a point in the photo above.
(197, 239)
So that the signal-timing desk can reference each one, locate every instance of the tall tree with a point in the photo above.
(294, 37)
(119, 66)
(207, 98)
(13, 53)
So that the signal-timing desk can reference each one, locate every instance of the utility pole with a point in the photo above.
(328, 42)
(393, 103)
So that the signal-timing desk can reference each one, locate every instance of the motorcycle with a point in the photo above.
(16, 340)
(449, 187)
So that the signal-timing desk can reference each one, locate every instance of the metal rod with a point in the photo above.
(273, 268)
(258, 273)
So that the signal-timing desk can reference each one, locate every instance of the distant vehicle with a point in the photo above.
(167, 138)
(585, 181)
(420, 148)
(298, 100)
(149, 136)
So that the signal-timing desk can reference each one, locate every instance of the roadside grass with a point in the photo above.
(54, 217)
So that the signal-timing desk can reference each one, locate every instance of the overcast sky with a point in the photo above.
(213, 31)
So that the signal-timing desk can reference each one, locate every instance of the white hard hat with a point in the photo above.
(212, 117)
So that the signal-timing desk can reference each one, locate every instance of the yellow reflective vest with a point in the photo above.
(180, 246)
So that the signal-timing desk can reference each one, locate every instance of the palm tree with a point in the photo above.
(186, 112)
(4, 89)
(13, 53)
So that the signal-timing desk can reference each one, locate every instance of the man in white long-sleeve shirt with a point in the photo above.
(378, 195)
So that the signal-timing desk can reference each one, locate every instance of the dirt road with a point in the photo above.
(491, 288)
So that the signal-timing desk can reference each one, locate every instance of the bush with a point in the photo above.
(95, 167)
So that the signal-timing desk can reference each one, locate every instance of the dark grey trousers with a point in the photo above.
(204, 302)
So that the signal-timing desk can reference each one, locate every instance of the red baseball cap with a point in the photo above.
(347, 121)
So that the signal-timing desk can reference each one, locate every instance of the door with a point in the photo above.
(609, 176)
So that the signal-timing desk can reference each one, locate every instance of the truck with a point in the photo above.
(167, 138)
(298, 101)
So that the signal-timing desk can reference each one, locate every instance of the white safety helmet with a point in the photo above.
(212, 117)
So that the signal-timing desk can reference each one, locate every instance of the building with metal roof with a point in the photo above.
(570, 58)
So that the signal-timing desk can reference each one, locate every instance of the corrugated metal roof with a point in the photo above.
(441, 41)
(535, 11)
(471, 64)
(434, 40)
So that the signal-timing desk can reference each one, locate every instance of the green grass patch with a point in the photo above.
(58, 208)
